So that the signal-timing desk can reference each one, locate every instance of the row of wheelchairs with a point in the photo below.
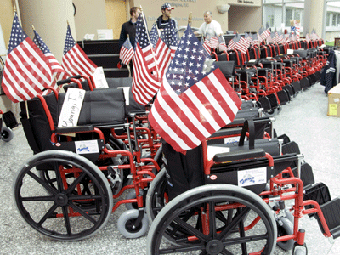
(70, 197)
(269, 75)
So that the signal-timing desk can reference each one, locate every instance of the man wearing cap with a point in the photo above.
(210, 27)
(165, 19)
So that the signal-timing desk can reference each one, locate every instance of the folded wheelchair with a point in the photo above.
(66, 191)
(238, 200)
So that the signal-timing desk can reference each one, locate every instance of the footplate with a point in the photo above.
(331, 212)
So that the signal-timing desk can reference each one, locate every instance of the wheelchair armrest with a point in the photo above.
(239, 155)
(76, 129)
(225, 132)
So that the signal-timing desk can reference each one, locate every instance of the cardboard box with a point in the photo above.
(334, 102)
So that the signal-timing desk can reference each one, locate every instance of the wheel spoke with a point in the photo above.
(83, 213)
(67, 220)
(212, 220)
(235, 221)
(38, 198)
(84, 197)
(226, 252)
(74, 184)
(49, 212)
(49, 188)
(58, 177)
(184, 248)
(191, 229)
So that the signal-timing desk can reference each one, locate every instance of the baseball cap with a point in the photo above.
(166, 6)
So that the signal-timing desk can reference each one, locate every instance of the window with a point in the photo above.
(338, 19)
(289, 16)
(334, 19)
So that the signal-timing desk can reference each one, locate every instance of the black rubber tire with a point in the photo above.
(126, 220)
(155, 198)
(7, 134)
(175, 220)
(46, 206)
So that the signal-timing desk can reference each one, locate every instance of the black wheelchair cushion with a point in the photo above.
(100, 107)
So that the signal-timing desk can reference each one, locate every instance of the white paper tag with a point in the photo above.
(71, 108)
(290, 51)
(99, 78)
(213, 150)
(87, 147)
(252, 176)
(126, 91)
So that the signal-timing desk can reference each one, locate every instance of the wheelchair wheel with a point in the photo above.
(125, 224)
(156, 196)
(214, 219)
(73, 203)
(7, 134)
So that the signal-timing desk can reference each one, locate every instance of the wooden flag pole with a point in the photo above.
(190, 19)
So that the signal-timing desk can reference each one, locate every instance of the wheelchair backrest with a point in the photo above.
(226, 67)
(132, 105)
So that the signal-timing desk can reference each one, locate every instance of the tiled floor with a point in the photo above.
(304, 120)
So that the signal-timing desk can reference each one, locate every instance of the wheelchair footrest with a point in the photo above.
(331, 212)
(317, 192)
(307, 175)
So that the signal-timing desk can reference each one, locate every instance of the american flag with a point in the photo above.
(162, 52)
(239, 43)
(126, 52)
(195, 99)
(210, 43)
(307, 37)
(264, 34)
(75, 61)
(255, 39)
(297, 29)
(169, 35)
(26, 71)
(146, 80)
(248, 37)
(58, 71)
(222, 45)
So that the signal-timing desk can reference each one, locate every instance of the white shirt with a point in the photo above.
(211, 29)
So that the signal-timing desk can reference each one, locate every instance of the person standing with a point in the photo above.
(210, 27)
(165, 19)
(129, 29)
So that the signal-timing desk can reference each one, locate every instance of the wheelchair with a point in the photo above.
(6, 134)
(66, 191)
(234, 209)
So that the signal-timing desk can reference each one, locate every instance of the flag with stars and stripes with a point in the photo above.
(146, 81)
(126, 52)
(75, 61)
(26, 71)
(162, 52)
(221, 44)
(210, 43)
(169, 35)
(264, 34)
(239, 43)
(58, 71)
(195, 99)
